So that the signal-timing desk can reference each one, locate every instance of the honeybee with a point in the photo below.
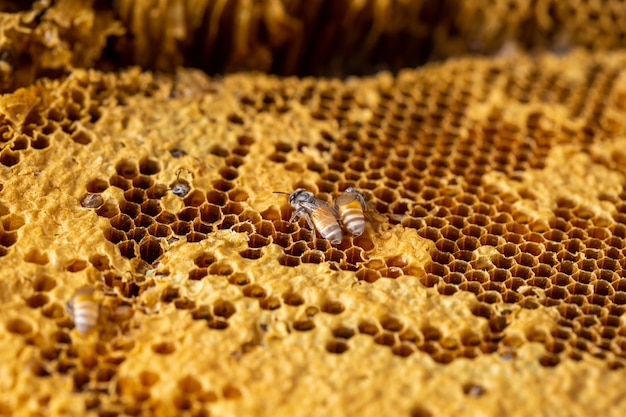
(352, 206)
(180, 187)
(318, 214)
(84, 309)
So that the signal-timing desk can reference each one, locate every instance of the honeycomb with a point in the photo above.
(491, 263)
(49, 38)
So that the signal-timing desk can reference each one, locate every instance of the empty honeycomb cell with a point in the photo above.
(143, 221)
(607, 274)
(598, 299)
(270, 303)
(540, 282)
(8, 239)
(337, 346)
(385, 339)
(164, 348)
(156, 192)
(587, 265)
(549, 360)
(142, 182)
(447, 289)
(198, 274)
(181, 228)
(9, 158)
(446, 245)
(37, 300)
(333, 307)
(81, 379)
(222, 185)
(254, 291)
(127, 169)
(303, 325)
(391, 324)
(44, 283)
(108, 210)
(210, 213)
(258, 241)
(525, 259)
(122, 222)
(135, 195)
(584, 277)
(36, 257)
(392, 272)
(40, 140)
(473, 231)
(265, 228)
(219, 198)
(504, 262)
(521, 271)
(335, 255)
(509, 249)
(223, 309)
(228, 173)
(159, 230)
(450, 232)
(188, 214)
(130, 209)
(19, 326)
(12, 222)
(289, 260)
(312, 257)
(228, 222)
(368, 275)
(76, 265)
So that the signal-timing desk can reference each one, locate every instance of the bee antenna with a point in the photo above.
(280, 192)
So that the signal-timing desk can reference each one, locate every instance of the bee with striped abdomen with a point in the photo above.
(352, 206)
(84, 309)
(318, 214)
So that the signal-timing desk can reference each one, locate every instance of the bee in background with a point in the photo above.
(352, 207)
(318, 214)
(84, 309)
(180, 187)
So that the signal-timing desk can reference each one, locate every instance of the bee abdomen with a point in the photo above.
(353, 220)
(332, 232)
(85, 314)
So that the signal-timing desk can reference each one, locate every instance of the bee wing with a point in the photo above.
(327, 209)
(344, 199)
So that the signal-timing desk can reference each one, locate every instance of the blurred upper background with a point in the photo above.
(289, 37)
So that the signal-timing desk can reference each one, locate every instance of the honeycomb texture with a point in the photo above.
(48, 37)
(490, 271)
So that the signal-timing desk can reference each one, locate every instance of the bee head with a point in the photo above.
(300, 196)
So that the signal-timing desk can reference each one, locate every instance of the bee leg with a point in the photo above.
(307, 217)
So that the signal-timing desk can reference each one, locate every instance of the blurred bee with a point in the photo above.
(318, 214)
(352, 206)
(84, 309)
(180, 187)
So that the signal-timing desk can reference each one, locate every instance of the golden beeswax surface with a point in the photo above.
(489, 279)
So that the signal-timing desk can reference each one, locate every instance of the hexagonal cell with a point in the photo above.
(293, 299)
(333, 307)
(303, 325)
(254, 291)
(127, 169)
(337, 346)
